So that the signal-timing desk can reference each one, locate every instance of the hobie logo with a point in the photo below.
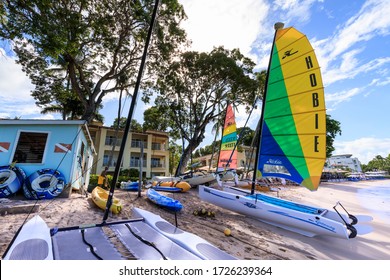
(289, 53)
(274, 161)
(250, 205)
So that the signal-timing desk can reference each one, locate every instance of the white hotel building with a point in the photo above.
(343, 162)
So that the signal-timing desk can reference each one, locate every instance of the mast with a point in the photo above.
(131, 111)
(277, 26)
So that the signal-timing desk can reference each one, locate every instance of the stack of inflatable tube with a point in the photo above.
(45, 183)
(11, 180)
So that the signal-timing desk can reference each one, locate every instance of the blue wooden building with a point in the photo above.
(33, 145)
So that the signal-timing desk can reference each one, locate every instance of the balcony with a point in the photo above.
(110, 142)
(158, 165)
(137, 162)
(158, 147)
(137, 144)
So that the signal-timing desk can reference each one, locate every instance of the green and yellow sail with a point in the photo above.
(293, 135)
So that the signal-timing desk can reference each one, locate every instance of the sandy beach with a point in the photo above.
(250, 239)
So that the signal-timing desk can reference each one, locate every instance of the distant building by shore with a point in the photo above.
(345, 161)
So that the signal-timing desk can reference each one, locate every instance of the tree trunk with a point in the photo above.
(187, 153)
(89, 112)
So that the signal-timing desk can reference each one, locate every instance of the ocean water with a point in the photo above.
(376, 198)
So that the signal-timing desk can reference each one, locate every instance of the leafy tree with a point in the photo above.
(246, 136)
(196, 84)
(134, 125)
(333, 129)
(97, 43)
(378, 163)
(175, 152)
(156, 119)
(119, 124)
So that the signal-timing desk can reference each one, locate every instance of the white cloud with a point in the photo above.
(378, 82)
(15, 90)
(350, 67)
(340, 55)
(14, 84)
(232, 24)
(295, 9)
(371, 20)
(365, 149)
(346, 95)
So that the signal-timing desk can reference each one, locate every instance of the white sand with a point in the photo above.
(250, 239)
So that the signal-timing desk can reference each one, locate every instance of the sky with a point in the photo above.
(351, 40)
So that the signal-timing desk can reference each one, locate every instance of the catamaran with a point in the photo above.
(147, 236)
(292, 144)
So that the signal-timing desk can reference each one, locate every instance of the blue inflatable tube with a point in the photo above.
(45, 183)
(11, 180)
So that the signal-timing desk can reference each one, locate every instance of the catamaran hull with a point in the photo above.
(193, 243)
(32, 243)
(279, 212)
(197, 180)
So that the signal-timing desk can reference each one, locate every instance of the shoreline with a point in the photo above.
(250, 239)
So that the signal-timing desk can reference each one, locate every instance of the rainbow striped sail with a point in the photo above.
(228, 141)
(293, 135)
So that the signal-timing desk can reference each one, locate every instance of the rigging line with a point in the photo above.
(19, 230)
(220, 144)
(120, 111)
(252, 150)
(151, 244)
(215, 139)
(51, 176)
(110, 158)
(63, 157)
(131, 111)
(68, 186)
(71, 184)
(277, 26)
(241, 132)
(90, 245)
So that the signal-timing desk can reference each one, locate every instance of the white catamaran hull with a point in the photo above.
(32, 243)
(202, 179)
(193, 243)
(303, 219)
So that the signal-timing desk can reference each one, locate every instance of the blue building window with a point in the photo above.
(30, 147)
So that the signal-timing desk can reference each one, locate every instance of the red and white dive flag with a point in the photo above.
(4, 147)
(62, 148)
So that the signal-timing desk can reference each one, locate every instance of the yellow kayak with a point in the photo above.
(171, 186)
(100, 196)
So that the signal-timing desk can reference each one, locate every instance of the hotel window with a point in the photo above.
(30, 147)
